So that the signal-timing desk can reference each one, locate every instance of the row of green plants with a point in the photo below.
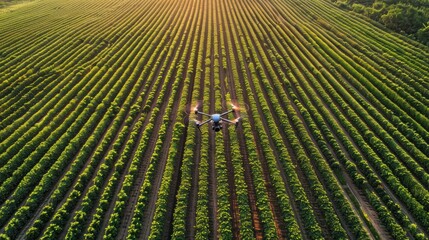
(181, 209)
(404, 175)
(371, 86)
(326, 131)
(158, 222)
(306, 88)
(35, 63)
(331, 105)
(80, 172)
(323, 203)
(374, 95)
(95, 226)
(71, 202)
(407, 144)
(115, 218)
(146, 188)
(405, 17)
(393, 49)
(352, 170)
(237, 161)
(323, 108)
(117, 145)
(28, 147)
(65, 149)
(223, 188)
(276, 178)
(202, 221)
(164, 194)
(293, 179)
(19, 139)
(182, 197)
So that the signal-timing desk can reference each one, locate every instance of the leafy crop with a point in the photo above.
(96, 139)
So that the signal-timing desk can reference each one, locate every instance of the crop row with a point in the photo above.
(306, 88)
(335, 114)
(106, 166)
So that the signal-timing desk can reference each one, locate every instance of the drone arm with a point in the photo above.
(230, 111)
(202, 113)
(227, 120)
(235, 122)
(200, 124)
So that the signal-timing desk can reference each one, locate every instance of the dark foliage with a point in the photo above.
(403, 16)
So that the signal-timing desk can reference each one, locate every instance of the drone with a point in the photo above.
(217, 119)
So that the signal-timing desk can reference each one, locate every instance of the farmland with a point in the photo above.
(95, 142)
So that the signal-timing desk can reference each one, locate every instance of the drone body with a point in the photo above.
(217, 126)
(216, 119)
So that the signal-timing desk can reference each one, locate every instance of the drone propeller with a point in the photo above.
(239, 109)
(197, 122)
(237, 121)
(234, 108)
(191, 108)
(197, 106)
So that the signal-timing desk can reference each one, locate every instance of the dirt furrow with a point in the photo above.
(257, 225)
(195, 38)
(150, 208)
(213, 208)
(350, 185)
(40, 208)
(225, 74)
(299, 171)
(271, 7)
(135, 191)
(191, 214)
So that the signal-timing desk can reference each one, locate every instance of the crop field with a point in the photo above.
(96, 142)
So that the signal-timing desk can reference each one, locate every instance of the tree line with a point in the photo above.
(406, 17)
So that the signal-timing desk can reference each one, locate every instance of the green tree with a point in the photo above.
(423, 34)
(404, 18)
